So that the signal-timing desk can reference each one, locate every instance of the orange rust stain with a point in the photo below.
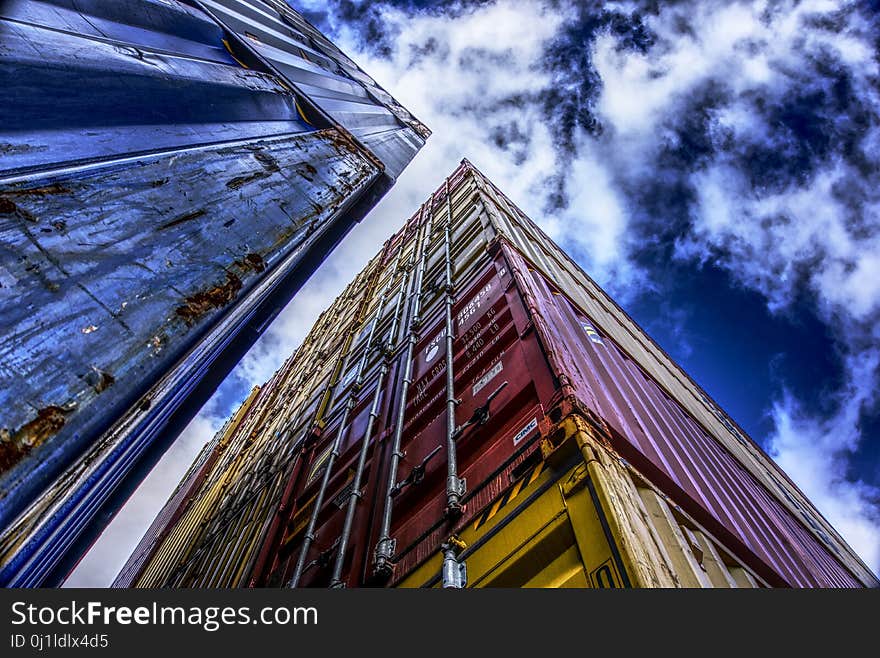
(15, 445)
(100, 380)
(11, 454)
(251, 263)
(54, 188)
(200, 303)
(8, 207)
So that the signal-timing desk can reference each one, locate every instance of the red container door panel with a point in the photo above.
(494, 356)
(658, 429)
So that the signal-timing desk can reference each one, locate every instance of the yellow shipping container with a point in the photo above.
(582, 517)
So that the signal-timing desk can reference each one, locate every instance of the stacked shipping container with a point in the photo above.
(474, 410)
(171, 172)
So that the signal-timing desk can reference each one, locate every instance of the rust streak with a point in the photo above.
(16, 445)
(268, 162)
(306, 170)
(54, 188)
(7, 207)
(200, 303)
(251, 263)
(100, 380)
(238, 181)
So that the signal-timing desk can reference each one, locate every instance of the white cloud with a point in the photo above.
(594, 224)
(110, 551)
(815, 452)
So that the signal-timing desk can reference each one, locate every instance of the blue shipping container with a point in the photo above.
(170, 173)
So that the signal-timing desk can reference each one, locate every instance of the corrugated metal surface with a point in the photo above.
(177, 502)
(291, 46)
(533, 374)
(578, 516)
(530, 241)
(612, 385)
(90, 79)
(163, 192)
(245, 486)
(719, 431)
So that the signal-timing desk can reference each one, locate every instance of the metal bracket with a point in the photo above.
(456, 485)
(385, 549)
(481, 414)
(454, 571)
(416, 475)
(323, 559)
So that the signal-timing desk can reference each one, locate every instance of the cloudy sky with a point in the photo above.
(714, 165)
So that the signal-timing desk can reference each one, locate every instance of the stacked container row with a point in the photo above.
(486, 415)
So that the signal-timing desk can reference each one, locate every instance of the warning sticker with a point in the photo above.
(488, 377)
(591, 332)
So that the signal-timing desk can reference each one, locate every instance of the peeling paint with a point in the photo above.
(306, 170)
(15, 445)
(251, 262)
(100, 380)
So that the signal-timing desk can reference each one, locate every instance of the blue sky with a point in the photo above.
(714, 165)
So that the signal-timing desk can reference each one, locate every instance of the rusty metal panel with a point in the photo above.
(164, 190)
(126, 280)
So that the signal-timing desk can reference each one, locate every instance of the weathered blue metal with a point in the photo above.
(163, 193)
(288, 44)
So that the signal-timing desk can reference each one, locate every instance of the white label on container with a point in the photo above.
(475, 303)
(488, 377)
(434, 347)
(525, 431)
